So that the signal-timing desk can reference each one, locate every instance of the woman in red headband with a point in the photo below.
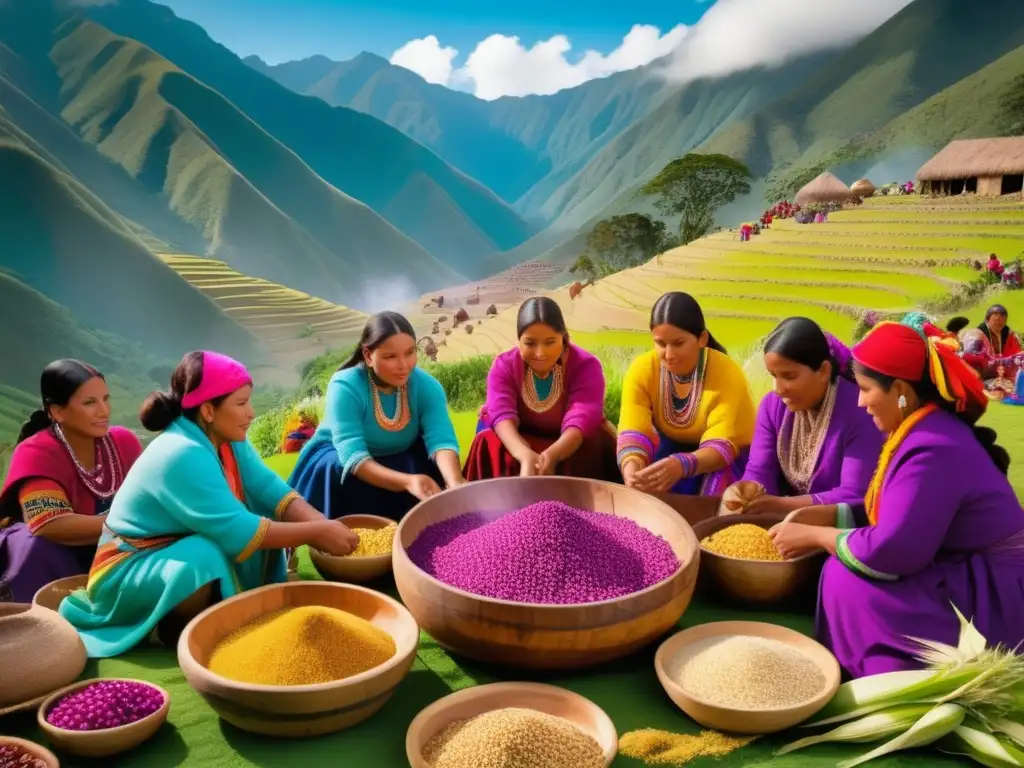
(940, 524)
(199, 516)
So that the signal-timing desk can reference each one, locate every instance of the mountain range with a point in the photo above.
(132, 143)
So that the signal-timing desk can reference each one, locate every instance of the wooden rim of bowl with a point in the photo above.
(40, 752)
(601, 718)
(400, 551)
(360, 558)
(50, 701)
(735, 629)
(747, 519)
(30, 704)
(48, 586)
(185, 657)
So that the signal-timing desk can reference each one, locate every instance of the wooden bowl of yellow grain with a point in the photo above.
(746, 677)
(355, 567)
(51, 595)
(298, 711)
(546, 635)
(106, 741)
(39, 753)
(752, 582)
(478, 700)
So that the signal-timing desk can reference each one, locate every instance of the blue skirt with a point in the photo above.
(710, 484)
(317, 478)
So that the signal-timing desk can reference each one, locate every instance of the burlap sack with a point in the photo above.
(738, 496)
(39, 653)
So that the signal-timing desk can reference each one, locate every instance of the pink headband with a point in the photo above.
(221, 376)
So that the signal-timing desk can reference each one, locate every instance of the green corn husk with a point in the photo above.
(936, 723)
(972, 739)
(873, 727)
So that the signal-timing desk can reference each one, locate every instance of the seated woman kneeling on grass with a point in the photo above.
(544, 413)
(386, 440)
(67, 465)
(941, 523)
(687, 416)
(812, 443)
(199, 516)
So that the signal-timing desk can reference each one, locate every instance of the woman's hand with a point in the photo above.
(546, 463)
(660, 476)
(795, 539)
(768, 505)
(334, 538)
(528, 463)
(422, 486)
(457, 481)
(629, 470)
(740, 497)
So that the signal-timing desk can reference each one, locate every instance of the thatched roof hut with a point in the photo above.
(827, 188)
(985, 166)
(863, 188)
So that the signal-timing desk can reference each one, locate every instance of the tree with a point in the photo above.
(619, 243)
(694, 187)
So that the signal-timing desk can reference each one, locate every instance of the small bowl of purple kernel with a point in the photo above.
(106, 716)
(18, 753)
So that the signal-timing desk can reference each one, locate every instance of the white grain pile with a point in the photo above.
(513, 738)
(745, 672)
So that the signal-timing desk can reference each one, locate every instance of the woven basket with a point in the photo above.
(39, 653)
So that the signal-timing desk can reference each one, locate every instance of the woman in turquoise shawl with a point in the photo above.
(199, 516)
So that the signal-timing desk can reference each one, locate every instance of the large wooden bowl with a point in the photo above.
(534, 636)
(36, 750)
(109, 741)
(297, 710)
(470, 702)
(753, 582)
(678, 648)
(355, 569)
(50, 595)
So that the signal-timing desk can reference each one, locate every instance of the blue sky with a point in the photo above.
(280, 30)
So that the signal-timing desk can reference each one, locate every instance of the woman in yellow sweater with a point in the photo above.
(687, 416)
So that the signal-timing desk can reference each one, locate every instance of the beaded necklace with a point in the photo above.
(800, 440)
(97, 480)
(873, 498)
(401, 418)
(684, 415)
(529, 390)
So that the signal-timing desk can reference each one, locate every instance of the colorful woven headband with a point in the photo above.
(222, 375)
(905, 352)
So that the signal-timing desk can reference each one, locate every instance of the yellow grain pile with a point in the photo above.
(301, 646)
(374, 541)
(747, 672)
(656, 747)
(513, 738)
(743, 540)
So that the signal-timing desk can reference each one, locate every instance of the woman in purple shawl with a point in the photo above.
(544, 413)
(812, 444)
(943, 525)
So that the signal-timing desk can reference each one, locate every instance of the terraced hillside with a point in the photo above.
(890, 254)
(294, 326)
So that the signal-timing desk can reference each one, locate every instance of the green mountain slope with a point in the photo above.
(927, 47)
(510, 144)
(356, 153)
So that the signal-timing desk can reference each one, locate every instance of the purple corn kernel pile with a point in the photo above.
(106, 704)
(547, 552)
(12, 756)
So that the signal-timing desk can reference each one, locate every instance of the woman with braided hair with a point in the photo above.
(942, 525)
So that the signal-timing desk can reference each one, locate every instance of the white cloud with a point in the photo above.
(427, 58)
(739, 34)
(501, 65)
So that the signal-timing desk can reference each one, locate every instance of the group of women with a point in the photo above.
(870, 454)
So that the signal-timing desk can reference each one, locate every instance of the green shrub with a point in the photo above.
(464, 381)
(265, 431)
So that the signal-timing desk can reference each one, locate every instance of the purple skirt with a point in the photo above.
(29, 562)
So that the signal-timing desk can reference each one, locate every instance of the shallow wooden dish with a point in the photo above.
(356, 569)
(38, 751)
(535, 636)
(50, 595)
(754, 582)
(674, 651)
(470, 702)
(297, 710)
(110, 741)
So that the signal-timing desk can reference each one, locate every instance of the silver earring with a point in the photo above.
(902, 403)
